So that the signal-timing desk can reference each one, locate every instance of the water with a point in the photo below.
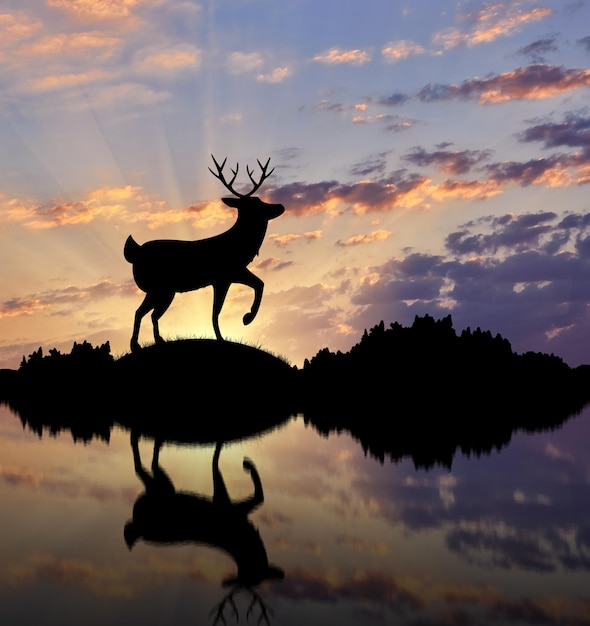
(500, 539)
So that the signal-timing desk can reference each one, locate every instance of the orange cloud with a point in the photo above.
(276, 76)
(283, 240)
(59, 81)
(398, 50)
(556, 171)
(533, 82)
(18, 307)
(16, 27)
(174, 59)
(127, 204)
(487, 24)
(100, 45)
(399, 190)
(335, 56)
(376, 235)
(130, 95)
(97, 9)
(70, 295)
(466, 190)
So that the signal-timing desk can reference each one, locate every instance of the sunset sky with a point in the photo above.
(432, 157)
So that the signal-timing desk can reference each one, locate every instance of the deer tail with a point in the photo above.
(131, 249)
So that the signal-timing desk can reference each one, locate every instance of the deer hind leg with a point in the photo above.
(161, 302)
(250, 280)
(144, 308)
(219, 293)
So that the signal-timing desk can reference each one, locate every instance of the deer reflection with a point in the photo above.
(164, 515)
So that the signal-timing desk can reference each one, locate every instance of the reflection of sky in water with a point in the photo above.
(500, 539)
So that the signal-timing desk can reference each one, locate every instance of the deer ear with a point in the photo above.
(232, 202)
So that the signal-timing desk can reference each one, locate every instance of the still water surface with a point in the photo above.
(500, 539)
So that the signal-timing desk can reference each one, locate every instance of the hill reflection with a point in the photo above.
(422, 391)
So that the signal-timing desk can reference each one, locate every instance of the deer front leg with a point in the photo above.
(250, 280)
(219, 293)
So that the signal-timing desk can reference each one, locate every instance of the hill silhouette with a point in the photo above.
(437, 391)
(422, 391)
(189, 391)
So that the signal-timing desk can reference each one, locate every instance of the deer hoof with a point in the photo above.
(135, 347)
(247, 318)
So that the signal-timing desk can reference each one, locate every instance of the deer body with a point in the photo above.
(162, 268)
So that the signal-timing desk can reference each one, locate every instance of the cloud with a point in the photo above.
(585, 42)
(466, 190)
(283, 240)
(573, 132)
(457, 162)
(336, 56)
(61, 81)
(274, 264)
(537, 49)
(376, 235)
(393, 123)
(533, 82)
(365, 586)
(425, 600)
(399, 189)
(515, 232)
(166, 60)
(402, 49)
(555, 171)
(17, 27)
(372, 165)
(60, 299)
(395, 99)
(244, 62)
(98, 9)
(128, 204)
(101, 46)
(500, 19)
(88, 578)
(127, 95)
(278, 75)
(357, 544)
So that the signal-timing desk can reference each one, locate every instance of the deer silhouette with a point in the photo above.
(164, 267)
(163, 515)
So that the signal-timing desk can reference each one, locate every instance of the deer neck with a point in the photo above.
(248, 234)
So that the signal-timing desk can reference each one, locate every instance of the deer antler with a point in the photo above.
(264, 175)
(229, 599)
(264, 610)
(222, 177)
(219, 608)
